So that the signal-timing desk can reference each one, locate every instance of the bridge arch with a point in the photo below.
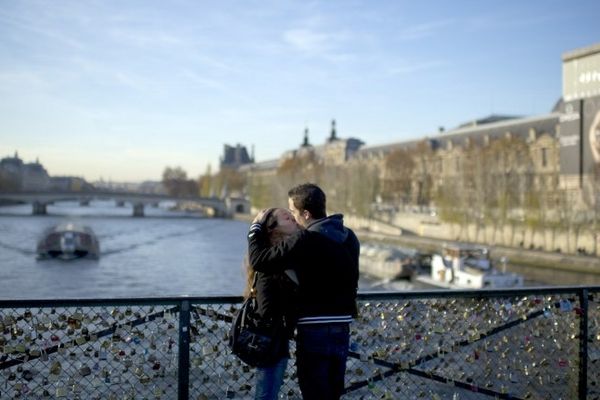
(237, 205)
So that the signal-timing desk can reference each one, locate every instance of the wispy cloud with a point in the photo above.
(23, 80)
(212, 62)
(493, 22)
(34, 26)
(90, 69)
(408, 68)
(424, 30)
(145, 39)
(319, 43)
(201, 80)
(308, 41)
(130, 80)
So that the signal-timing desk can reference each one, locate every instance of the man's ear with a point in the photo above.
(306, 215)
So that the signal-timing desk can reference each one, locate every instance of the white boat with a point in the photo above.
(388, 262)
(67, 242)
(463, 266)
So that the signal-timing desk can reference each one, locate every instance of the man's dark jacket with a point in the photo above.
(325, 258)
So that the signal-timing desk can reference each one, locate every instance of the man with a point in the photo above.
(325, 257)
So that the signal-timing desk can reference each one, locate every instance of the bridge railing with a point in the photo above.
(526, 343)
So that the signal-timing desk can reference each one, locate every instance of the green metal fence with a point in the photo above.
(531, 343)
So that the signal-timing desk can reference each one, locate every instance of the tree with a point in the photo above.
(229, 181)
(423, 156)
(591, 196)
(363, 184)
(489, 186)
(509, 165)
(397, 176)
(176, 182)
(299, 169)
(260, 191)
(205, 183)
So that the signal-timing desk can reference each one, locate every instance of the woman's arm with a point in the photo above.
(269, 259)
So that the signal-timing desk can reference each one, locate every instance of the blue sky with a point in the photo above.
(121, 89)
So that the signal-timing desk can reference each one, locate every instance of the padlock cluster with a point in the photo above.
(88, 352)
(525, 346)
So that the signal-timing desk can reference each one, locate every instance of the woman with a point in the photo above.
(275, 297)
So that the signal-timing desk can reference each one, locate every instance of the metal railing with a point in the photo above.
(529, 343)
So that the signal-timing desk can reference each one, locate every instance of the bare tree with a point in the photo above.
(397, 177)
(300, 168)
(229, 181)
(176, 182)
(260, 191)
(423, 170)
(205, 183)
(363, 182)
(509, 163)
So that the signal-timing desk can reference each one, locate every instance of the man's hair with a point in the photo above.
(309, 197)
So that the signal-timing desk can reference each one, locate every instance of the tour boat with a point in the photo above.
(68, 241)
(388, 262)
(463, 266)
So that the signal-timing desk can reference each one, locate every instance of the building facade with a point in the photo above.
(558, 151)
(16, 175)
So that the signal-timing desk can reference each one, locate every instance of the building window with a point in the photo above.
(544, 157)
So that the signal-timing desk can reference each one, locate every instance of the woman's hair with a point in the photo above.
(269, 220)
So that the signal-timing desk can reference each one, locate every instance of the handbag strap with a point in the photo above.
(252, 294)
(249, 300)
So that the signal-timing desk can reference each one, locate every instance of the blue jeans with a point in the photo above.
(321, 353)
(269, 380)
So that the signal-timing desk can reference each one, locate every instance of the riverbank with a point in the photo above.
(386, 233)
(244, 217)
(530, 258)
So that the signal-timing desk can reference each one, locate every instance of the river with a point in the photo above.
(165, 253)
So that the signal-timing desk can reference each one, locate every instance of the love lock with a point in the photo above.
(55, 368)
(85, 370)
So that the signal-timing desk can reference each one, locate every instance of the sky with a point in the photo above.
(119, 90)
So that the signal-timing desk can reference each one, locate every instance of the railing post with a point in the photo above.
(583, 343)
(183, 387)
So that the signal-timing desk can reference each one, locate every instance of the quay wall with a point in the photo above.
(513, 236)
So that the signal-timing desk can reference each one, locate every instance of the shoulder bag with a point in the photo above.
(252, 340)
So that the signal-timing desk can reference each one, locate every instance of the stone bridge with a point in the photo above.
(222, 208)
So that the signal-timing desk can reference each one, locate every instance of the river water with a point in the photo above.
(165, 253)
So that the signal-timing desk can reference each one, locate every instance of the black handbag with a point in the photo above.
(253, 341)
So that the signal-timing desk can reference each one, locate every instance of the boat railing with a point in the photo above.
(525, 343)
